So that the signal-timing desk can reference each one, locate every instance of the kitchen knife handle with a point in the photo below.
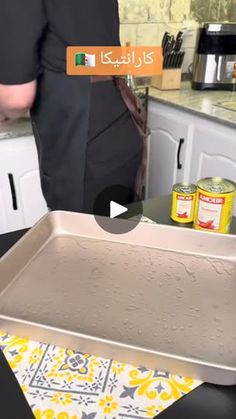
(179, 35)
(182, 55)
(178, 44)
(179, 165)
(13, 191)
(164, 39)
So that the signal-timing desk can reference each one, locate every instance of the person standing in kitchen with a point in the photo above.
(85, 136)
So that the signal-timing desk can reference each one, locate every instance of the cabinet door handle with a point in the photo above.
(13, 191)
(181, 142)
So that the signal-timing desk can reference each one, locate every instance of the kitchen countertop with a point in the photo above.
(15, 128)
(200, 103)
(158, 210)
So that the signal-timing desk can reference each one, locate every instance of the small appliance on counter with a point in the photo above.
(214, 65)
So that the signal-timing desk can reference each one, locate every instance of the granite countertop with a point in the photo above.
(201, 103)
(15, 128)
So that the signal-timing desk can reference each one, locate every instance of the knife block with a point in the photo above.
(170, 79)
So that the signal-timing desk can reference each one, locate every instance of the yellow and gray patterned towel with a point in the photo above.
(63, 384)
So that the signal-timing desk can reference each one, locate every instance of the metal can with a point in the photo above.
(214, 206)
(183, 202)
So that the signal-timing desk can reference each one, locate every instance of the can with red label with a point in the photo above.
(183, 202)
(214, 205)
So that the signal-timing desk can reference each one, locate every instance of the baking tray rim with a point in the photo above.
(112, 237)
(223, 375)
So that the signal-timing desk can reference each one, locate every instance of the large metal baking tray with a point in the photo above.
(161, 297)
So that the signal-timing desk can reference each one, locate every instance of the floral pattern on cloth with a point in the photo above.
(64, 384)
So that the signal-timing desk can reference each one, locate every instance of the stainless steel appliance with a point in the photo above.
(214, 64)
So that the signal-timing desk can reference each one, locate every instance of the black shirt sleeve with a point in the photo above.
(22, 24)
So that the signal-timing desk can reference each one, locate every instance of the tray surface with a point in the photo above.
(142, 290)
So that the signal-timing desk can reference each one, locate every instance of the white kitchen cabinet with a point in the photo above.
(168, 148)
(22, 203)
(3, 212)
(209, 149)
(214, 152)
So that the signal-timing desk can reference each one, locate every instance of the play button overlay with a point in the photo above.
(115, 210)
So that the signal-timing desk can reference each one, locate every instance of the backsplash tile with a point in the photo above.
(134, 11)
(213, 10)
(179, 10)
(142, 11)
(224, 9)
(147, 34)
(159, 10)
(143, 22)
(129, 33)
(232, 11)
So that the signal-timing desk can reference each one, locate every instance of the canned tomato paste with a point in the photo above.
(214, 206)
(183, 202)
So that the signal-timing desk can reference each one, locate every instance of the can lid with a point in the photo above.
(217, 185)
(185, 188)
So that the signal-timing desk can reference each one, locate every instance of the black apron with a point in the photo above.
(85, 136)
(60, 118)
(86, 141)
